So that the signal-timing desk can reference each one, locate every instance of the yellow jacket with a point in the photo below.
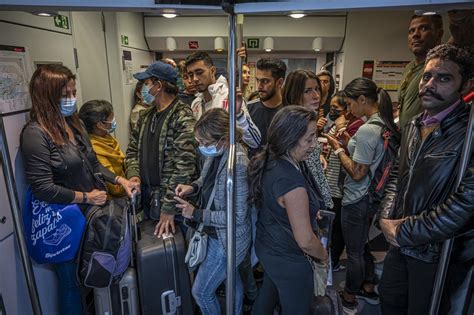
(111, 157)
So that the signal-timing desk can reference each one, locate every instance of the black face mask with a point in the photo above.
(334, 114)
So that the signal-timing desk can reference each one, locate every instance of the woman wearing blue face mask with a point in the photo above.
(59, 161)
(212, 133)
(98, 117)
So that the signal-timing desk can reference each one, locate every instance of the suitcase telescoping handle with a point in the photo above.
(133, 203)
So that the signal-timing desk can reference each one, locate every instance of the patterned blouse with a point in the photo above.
(314, 164)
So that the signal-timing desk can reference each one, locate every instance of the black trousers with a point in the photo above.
(356, 219)
(285, 282)
(406, 284)
(337, 237)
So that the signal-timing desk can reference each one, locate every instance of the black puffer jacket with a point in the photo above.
(421, 189)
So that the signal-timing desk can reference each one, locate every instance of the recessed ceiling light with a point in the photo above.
(45, 14)
(297, 15)
(169, 15)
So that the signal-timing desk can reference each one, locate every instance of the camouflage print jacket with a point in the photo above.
(177, 148)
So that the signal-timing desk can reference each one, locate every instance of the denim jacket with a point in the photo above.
(217, 218)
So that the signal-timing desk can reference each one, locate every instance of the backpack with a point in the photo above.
(106, 245)
(391, 144)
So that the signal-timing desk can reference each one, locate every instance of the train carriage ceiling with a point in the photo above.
(241, 6)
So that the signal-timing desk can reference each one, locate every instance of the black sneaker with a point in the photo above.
(370, 297)
(348, 307)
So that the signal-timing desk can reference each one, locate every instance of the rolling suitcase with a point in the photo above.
(119, 298)
(163, 277)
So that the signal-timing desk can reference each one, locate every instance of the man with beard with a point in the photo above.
(424, 33)
(422, 207)
(214, 92)
(270, 77)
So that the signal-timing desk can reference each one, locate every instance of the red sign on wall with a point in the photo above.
(368, 69)
(193, 44)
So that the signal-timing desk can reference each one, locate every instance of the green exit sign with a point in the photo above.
(61, 21)
(124, 40)
(253, 42)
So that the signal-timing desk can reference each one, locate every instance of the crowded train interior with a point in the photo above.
(162, 156)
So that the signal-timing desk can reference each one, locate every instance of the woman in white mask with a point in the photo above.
(59, 161)
(212, 134)
(98, 117)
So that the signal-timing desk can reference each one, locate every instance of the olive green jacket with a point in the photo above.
(177, 152)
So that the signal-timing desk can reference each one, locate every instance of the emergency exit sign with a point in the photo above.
(61, 21)
(124, 39)
(253, 42)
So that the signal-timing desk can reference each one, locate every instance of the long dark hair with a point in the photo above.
(46, 88)
(294, 86)
(214, 124)
(286, 128)
(368, 88)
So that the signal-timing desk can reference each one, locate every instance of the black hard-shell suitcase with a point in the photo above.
(329, 304)
(119, 298)
(163, 277)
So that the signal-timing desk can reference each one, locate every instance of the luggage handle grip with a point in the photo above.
(169, 298)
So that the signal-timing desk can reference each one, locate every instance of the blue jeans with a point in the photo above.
(211, 273)
(69, 292)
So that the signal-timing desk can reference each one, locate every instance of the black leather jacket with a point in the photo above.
(421, 189)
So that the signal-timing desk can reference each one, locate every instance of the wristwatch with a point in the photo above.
(84, 197)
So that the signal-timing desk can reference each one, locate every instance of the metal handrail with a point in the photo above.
(16, 215)
(231, 263)
(443, 264)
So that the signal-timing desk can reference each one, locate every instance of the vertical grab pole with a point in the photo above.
(16, 215)
(231, 264)
(443, 264)
(240, 61)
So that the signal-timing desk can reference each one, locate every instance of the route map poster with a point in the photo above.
(15, 71)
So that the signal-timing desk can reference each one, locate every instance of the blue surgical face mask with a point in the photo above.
(211, 150)
(68, 106)
(146, 95)
(113, 126)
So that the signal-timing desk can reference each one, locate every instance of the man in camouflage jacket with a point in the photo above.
(162, 149)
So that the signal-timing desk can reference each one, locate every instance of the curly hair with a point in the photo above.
(463, 57)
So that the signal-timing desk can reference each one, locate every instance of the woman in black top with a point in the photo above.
(59, 161)
(287, 207)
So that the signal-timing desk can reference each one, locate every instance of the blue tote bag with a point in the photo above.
(53, 231)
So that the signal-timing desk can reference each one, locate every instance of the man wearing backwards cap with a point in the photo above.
(162, 150)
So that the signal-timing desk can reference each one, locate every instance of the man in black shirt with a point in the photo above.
(270, 77)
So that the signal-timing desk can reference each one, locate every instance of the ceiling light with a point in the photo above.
(219, 44)
(45, 14)
(171, 44)
(297, 15)
(268, 44)
(317, 44)
(169, 15)
(427, 12)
